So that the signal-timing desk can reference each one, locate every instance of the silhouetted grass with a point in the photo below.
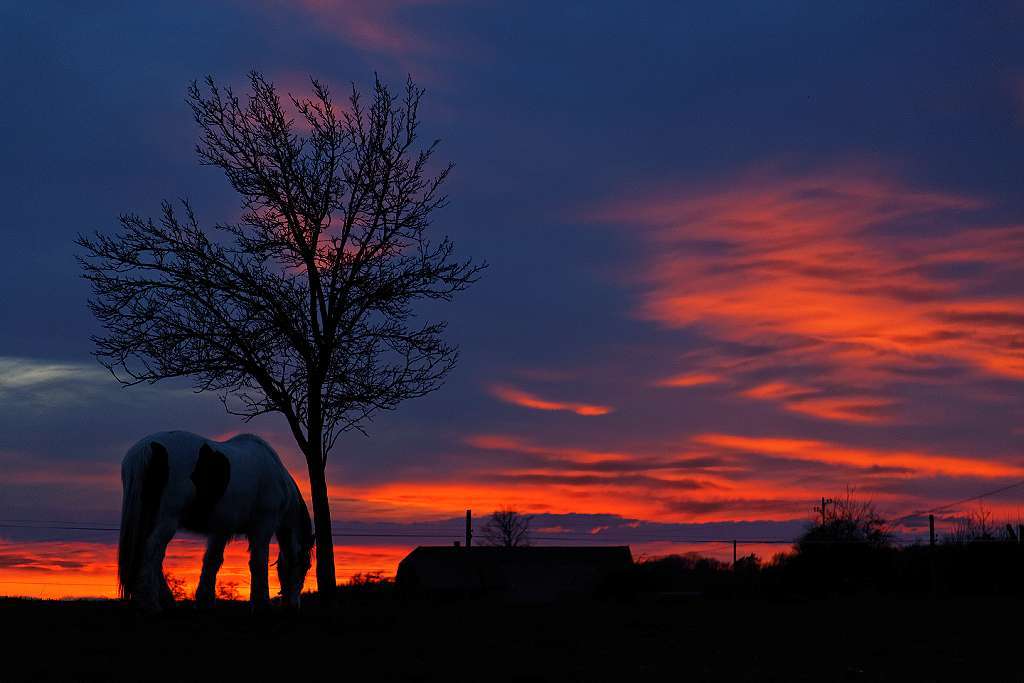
(379, 636)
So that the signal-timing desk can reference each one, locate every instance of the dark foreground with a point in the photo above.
(379, 637)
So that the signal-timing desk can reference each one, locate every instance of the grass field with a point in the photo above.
(378, 637)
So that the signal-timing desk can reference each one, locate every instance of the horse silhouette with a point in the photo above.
(179, 480)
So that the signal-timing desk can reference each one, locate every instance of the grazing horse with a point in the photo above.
(178, 480)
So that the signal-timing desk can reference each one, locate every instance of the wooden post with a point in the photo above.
(469, 528)
(734, 553)
(933, 578)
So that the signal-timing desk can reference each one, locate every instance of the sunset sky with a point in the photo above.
(742, 256)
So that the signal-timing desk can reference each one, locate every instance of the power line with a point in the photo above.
(650, 536)
(947, 506)
(977, 497)
(56, 583)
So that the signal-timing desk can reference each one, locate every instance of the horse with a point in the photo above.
(179, 480)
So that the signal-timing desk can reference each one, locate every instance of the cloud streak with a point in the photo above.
(525, 399)
(375, 27)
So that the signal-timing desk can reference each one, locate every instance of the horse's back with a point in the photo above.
(251, 478)
(183, 449)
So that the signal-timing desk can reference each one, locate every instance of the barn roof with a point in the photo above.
(535, 572)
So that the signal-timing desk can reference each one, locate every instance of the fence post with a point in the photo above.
(734, 553)
(469, 528)
(931, 529)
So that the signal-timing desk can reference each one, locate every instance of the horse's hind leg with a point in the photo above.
(212, 560)
(153, 584)
(165, 593)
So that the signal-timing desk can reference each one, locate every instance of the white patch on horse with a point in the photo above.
(179, 480)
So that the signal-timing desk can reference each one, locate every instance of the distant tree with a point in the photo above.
(847, 519)
(303, 306)
(507, 528)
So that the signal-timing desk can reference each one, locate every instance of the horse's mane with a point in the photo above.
(303, 523)
(252, 437)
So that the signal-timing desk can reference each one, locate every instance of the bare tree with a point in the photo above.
(303, 306)
(507, 528)
(975, 526)
(848, 519)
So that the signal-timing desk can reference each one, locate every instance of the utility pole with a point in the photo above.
(469, 528)
(931, 529)
(824, 502)
(734, 554)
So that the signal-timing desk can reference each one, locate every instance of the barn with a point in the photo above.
(534, 574)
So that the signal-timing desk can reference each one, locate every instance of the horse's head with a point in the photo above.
(295, 541)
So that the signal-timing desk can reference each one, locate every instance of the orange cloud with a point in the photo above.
(862, 409)
(498, 442)
(689, 379)
(846, 280)
(703, 481)
(810, 450)
(776, 390)
(810, 401)
(525, 399)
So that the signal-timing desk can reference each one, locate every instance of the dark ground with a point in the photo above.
(379, 637)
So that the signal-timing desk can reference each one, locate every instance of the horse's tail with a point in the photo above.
(144, 473)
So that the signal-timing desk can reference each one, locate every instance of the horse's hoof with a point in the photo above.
(150, 609)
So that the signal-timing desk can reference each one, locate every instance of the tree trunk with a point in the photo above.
(326, 582)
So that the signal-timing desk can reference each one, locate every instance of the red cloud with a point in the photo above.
(370, 26)
(525, 399)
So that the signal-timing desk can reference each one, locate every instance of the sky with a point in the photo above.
(742, 256)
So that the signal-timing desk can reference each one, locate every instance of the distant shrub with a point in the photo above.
(367, 579)
(680, 573)
(228, 590)
(177, 586)
(369, 582)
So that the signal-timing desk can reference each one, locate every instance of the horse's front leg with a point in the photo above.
(259, 556)
(212, 560)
